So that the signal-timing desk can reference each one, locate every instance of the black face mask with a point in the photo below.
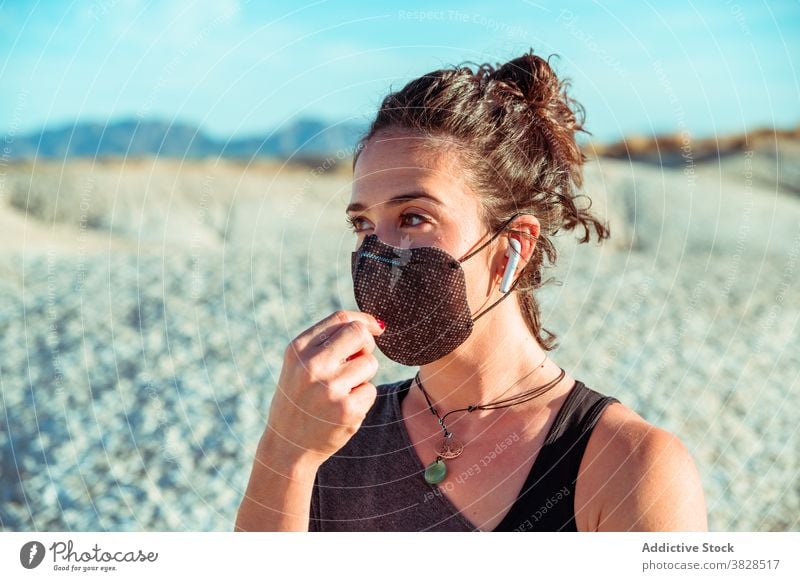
(421, 295)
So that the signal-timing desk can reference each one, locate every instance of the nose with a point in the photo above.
(383, 238)
(363, 239)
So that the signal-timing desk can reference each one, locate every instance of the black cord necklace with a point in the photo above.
(450, 447)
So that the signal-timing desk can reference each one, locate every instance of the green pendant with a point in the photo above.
(435, 472)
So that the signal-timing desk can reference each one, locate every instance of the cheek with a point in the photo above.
(480, 280)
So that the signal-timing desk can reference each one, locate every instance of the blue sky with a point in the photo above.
(240, 68)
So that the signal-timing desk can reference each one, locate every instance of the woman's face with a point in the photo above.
(410, 197)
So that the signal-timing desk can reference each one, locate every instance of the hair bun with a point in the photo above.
(529, 77)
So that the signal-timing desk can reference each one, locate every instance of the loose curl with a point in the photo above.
(513, 127)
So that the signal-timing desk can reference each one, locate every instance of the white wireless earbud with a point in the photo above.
(513, 254)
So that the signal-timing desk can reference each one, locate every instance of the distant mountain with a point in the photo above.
(302, 138)
(677, 149)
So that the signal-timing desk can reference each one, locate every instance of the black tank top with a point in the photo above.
(375, 482)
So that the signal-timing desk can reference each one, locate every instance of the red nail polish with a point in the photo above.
(380, 323)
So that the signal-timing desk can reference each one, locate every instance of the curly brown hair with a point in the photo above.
(514, 129)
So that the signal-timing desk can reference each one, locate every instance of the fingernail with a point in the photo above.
(381, 324)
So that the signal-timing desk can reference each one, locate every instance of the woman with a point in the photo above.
(459, 185)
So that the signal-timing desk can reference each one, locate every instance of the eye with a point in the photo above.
(409, 219)
(353, 222)
(411, 215)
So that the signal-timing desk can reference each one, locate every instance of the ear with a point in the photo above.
(525, 229)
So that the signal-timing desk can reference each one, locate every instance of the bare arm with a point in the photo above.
(278, 495)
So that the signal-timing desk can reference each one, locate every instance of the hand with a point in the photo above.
(324, 393)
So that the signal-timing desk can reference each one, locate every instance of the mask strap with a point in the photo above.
(506, 295)
(495, 235)
(498, 301)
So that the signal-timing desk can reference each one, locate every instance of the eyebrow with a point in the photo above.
(359, 207)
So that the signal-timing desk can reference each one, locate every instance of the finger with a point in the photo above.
(354, 373)
(357, 354)
(321, 331)
(364, 395)
(345, 341)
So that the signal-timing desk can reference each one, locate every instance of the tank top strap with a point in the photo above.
(546, 500)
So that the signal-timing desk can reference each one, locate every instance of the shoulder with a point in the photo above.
(635, 476)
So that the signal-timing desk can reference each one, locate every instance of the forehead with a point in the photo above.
(392, 164)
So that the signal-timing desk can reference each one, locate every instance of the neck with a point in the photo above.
(499, 352)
